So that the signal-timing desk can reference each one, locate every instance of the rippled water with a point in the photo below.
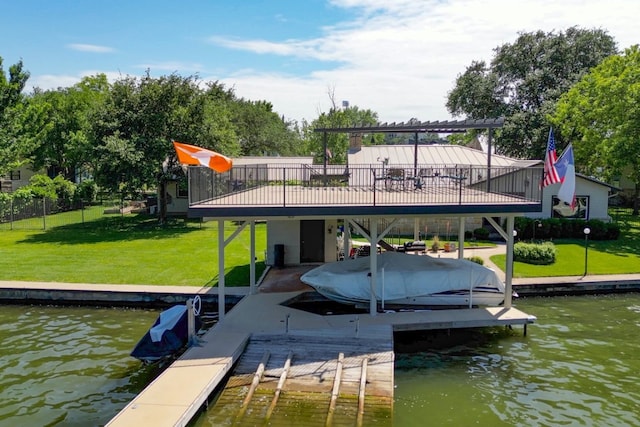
(578, 366)
(69, 366)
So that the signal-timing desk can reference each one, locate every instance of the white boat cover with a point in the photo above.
(168, 319)
(405, 276)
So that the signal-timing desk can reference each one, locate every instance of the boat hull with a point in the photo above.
(163, 342)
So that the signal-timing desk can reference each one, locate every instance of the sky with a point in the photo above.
(398, 58)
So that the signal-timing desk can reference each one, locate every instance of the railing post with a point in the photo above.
(284, 187)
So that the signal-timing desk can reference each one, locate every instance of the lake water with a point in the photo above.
(69, 366)
(578, 366)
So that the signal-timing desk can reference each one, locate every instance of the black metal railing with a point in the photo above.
(374, 185)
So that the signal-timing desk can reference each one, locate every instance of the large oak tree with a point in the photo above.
(133, 132)
(601, 116)
(524, 81)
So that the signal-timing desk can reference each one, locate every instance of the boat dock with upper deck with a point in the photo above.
(265, 323)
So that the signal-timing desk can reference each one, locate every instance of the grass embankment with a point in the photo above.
(620, 256)
(131, 249)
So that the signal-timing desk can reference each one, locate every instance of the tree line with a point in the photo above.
(120, 132)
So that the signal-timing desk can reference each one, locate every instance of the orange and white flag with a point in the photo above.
(192, 155)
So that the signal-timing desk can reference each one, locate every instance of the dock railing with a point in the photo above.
(371, 185)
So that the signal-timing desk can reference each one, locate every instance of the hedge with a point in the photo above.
(558, 228)
(532, 253)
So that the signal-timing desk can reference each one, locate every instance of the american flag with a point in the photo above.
(550, 172)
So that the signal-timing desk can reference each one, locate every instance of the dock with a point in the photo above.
(184, 388)
(310, 379)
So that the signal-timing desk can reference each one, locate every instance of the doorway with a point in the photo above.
(312, 240)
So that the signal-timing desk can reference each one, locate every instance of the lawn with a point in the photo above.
(620, 256)
(134, 249)
(131, 249)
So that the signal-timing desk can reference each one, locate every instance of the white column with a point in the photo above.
(221, 298)
(252, 263)
(373, 256)
(416, 229)
(346, 239)
(509, 268)
(461, 237)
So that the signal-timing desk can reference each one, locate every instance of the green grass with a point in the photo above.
(603, 258)
(620, 256)
(134, 249)
(131, 249)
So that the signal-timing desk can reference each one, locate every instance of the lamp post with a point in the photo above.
(586, 232)
(537, 223)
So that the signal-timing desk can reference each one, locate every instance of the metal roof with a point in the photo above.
(439, 154)
(259, 160)
(445, 126)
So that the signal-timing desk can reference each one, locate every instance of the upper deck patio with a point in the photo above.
(271, 190)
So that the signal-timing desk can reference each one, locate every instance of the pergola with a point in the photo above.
(446, 126)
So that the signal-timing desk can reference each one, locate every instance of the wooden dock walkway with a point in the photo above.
(310, 379)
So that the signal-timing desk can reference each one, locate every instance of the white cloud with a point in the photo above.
(400, 58)
(90, 48)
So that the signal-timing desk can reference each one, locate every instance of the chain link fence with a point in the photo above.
(42, 214)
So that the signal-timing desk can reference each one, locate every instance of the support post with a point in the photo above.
(221, 245)
(461, 237)
(509, 268)
(373, 255)
(346, 239)
(191, 323)
(252, 264)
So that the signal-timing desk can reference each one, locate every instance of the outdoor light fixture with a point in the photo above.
(586, 232)
(536, 223)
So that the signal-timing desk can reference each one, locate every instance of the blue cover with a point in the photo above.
(172, 340)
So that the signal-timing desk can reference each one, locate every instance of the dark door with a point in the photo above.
(312, 240)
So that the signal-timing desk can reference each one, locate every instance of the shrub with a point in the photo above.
(554, 228)
(65, 190)
(42, 186)
(86, 191)
(476, 259)
(532, 253)
(481, 233)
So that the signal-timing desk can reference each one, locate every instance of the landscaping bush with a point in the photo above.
(561, 228)
(481, 233)
(476, 259)
(86, 191)
(532, 253)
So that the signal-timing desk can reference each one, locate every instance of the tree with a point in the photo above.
(523, 83)
(337, 144)
(132, 133)
(13, 147)
(62, 122)
(601, 115)
(261, 131)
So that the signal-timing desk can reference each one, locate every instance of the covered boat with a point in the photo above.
(168, 335)
(412, 280)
